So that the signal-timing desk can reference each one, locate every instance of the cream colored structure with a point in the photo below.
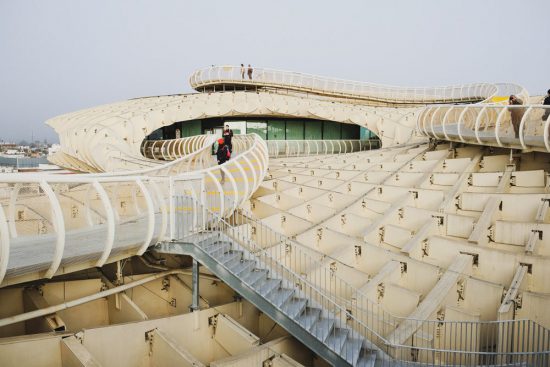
(429, 253)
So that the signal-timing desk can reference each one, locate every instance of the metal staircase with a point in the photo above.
(298, 306)
(305, 295)
(319, 327)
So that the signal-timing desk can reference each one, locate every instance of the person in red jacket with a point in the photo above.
(222, 155)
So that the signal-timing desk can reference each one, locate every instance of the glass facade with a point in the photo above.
(348, 131)
(268, 128)
(191, 128)
(295, 129)
(331, 130)
(258, 127)
(313, 130)
(276, 130)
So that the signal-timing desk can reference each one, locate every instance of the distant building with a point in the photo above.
(53, 148)
(21, 162)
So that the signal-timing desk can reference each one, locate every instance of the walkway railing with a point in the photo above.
(263, 77)
(431, 342)
(297, 148)
(171, 149)
(52, 222)
(491, 125)
(56, 223)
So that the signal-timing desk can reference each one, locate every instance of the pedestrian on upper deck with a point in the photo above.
(516, 113)
(227, 136)
(242, 71)
(250, 71)
(546, 102)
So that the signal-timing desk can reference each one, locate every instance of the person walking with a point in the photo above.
(546, 102)
(222, 155)
(227, 136)
(242, 71)
(250, 71)
(516, 113)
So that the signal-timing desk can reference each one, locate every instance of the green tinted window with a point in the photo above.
(276, 130)
(331, 130)
(350, 131)
(258, 127)
(313, 130)
(294, 130)
(366, 134)
(156, 135)
(169, 132)
(190, 128)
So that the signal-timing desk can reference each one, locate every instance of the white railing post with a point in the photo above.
(110, 218)
(150, 217)
(522, 126)
(478, 123)
(546, 132)
(59, 227)
(498, 124)
(4, 245)
(172, 208)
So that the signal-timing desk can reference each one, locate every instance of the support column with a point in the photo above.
(195, 279)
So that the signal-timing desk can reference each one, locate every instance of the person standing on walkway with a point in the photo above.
(516, 113)
(222, 155)
(242, 71)
(227, 136)
(250, 71)
(546, 103)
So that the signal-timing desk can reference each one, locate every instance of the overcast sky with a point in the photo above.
(63, 55)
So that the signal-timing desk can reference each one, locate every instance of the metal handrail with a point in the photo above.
(209, 222)
(496, 332)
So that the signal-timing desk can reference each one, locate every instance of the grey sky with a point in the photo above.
(64, 55)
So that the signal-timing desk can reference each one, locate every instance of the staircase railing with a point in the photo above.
(432, 341)
(425, 341)
(200, 227)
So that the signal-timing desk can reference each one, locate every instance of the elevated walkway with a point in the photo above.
(228, 78)
(489, 125)
(81, 221)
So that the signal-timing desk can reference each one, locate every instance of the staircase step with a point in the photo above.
(254, 276)
(217, 248)
(229, 258)
(352, 349)
(278, 296)
(367, 359)
(265, 287)
(309, 317)
(242, 267)
(322, 328)
(336, 339)
(294, 307)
